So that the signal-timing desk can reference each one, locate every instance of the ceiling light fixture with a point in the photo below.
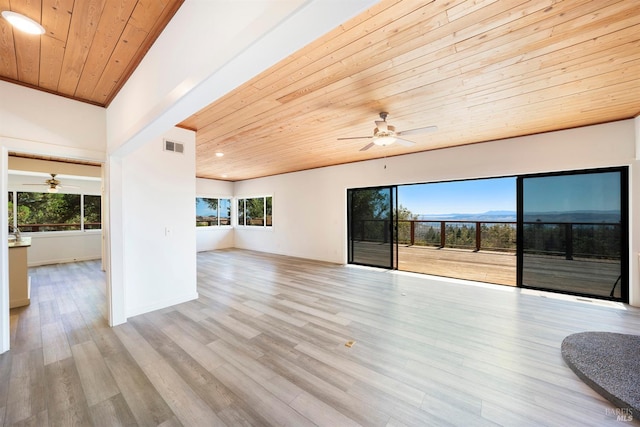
(219, 154)
(23, 23)
(53, 189)
(384, 140)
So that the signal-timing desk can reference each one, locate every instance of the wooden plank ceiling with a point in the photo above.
(478, 70)
(90, 47)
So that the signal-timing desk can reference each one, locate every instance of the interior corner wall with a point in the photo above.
(212, 238)
(309, 207)
(158, 210)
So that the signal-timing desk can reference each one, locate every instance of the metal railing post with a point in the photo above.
(443, 233)
(478, 236)
(413, 232)
(568, 237)
(385, 231)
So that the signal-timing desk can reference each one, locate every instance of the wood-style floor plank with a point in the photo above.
(96, 380)
(265, 345)
(66, 401)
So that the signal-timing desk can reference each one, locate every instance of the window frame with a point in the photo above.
(82, 229)
(218, 225)
(267, 212)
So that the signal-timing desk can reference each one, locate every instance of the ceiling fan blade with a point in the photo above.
(67, 186)
(405, 142)
(382, 126)
(355, 137)
(418, 130)
(366, 147)
(35, 184)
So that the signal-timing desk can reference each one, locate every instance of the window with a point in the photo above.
(92, 212)
(212, 212)
(574, 232)
(42, 212)
(255, 211)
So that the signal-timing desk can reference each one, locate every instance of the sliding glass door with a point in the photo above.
(371, 226)
(573, 233)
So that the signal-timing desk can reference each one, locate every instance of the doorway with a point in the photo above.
(573, 233)
(371, 226)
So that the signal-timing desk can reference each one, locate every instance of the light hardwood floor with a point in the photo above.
(265, 345)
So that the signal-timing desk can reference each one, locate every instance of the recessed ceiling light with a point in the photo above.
(219, 154)
(23, 23)
(224, 175)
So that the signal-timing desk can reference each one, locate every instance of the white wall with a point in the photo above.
(313, 203)
(59, 247)
(211, 238)
(158, 205)
(41, 123)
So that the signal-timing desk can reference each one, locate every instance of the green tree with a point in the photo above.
(92, 211)
(212, 203)
(404, 217)
(255, 210)
(369, 214)
(48, 208)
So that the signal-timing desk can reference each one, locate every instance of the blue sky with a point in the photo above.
(581, 192)
(202, 209)
(473, 196)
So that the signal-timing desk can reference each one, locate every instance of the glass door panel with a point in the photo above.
(371, 226)
(573, 233)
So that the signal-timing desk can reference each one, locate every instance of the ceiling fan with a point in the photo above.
(53, 184)
(384, 134)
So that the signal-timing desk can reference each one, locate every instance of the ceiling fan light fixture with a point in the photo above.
(384, 140)
(23, 23)
(52, 189)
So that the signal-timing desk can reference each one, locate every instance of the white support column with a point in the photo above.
(5, 338)
(114, 234)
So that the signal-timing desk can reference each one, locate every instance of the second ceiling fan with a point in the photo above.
(53, 184)
(384, 134)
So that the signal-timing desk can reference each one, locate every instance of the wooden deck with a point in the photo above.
(584, 276)
(490, 267)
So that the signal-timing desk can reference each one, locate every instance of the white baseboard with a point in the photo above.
(135, 311)
(61, 261)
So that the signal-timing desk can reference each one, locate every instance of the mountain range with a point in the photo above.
(586, 216)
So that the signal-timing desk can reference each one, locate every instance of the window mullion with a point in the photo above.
(15, 208)
(81, 212)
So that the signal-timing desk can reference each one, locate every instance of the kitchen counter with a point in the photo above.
(23, 242)
(19, 281)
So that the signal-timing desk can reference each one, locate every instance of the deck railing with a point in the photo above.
(584, 239)
(35, 228)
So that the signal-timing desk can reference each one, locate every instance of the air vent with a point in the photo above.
(176, 147)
